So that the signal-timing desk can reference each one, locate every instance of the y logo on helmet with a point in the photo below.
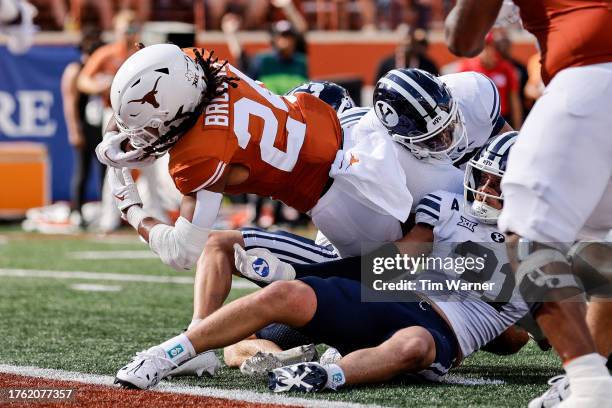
(387, 115)
(314, 89)
(260, 266)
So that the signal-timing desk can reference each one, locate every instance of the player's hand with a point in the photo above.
(111, 153)
(259, 264)
(124, 189)
(343, 163)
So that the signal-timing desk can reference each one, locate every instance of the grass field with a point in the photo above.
(49, 322)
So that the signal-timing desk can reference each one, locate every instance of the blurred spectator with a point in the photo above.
(253, 12)
(410, 53)
(504, 45)
(105, 11)
(535, 86)
(492, 64)
(232, 23)
(96, 78)
(97, 74)
(283, 67)
(83, 114)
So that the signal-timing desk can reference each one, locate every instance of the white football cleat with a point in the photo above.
(302, 377)
(330, 356)
(559, 390)
(145, 370)
(260, 364)
(203, 364)
(594, 392)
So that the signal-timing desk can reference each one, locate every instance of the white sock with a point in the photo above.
(587, 366)
(193, 323)
(335, 376)
(9, 10)
(178, 349)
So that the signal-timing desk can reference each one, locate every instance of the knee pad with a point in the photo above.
(592, 263)
(535, 284)
(283, 336)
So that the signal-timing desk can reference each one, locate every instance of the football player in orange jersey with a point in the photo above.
(226, 133)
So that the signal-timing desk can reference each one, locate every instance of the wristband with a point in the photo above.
(135, 215)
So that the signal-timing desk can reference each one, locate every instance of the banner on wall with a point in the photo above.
(31, 108)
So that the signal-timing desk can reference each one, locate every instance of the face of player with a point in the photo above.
(444, 140)
(490, 184)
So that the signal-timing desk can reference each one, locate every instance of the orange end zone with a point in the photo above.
(101, 396)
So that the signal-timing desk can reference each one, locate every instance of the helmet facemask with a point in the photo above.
(440, 139)
(483, 198)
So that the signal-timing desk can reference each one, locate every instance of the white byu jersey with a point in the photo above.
(477, 317)
(479, 104)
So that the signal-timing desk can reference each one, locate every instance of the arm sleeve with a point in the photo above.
(428, 210)
(181, 246)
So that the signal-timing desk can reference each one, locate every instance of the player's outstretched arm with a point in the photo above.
(178, 246)
(467, 25)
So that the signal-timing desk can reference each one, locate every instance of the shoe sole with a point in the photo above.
(126, 384)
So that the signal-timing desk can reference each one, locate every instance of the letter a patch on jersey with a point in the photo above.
(455, 205)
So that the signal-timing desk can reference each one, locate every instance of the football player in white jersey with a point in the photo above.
(380, 339)
(467, 104)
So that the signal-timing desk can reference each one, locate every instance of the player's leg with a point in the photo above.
(599, 320)
(592, 262)
(216, 265)
(238, 353)
(557, 173)
(409, 350)
(379, 339)
(256, 356)
(214, 269)
(293, 303)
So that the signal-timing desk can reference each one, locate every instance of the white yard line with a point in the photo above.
(118, 277)
(236, 395)
(111, 255)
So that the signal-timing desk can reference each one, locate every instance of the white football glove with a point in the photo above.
(124, 189)
(259, 264)
(110, 153)
(343, 162)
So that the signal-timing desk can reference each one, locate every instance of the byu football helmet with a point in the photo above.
(332, 94)
(153, 93)
(483, 174)
(419, 112)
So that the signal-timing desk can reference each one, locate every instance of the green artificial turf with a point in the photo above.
(46, 323)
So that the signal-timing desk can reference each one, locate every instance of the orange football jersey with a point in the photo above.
(571, 33)
(287, 143)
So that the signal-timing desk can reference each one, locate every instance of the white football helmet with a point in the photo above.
(491, 160)
(155, 91)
